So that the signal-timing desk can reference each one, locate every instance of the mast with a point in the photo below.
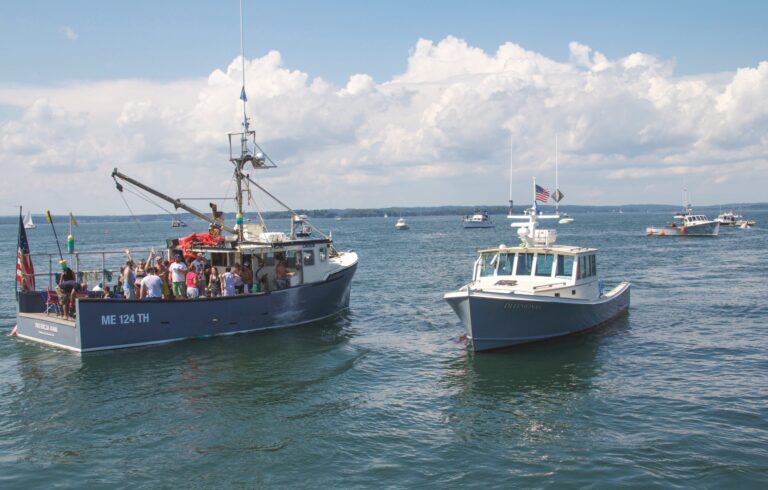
(557, 186)
(509, 211)
(243, 137)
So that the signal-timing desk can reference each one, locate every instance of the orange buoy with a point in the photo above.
(663, 233)
(682, 230)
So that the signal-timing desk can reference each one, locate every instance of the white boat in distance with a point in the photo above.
(534, 291)
(402, 225)
(687, 224)
(480, 219)
(28, 223)
(177, 223)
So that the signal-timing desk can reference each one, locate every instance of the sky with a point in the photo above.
(378, 104)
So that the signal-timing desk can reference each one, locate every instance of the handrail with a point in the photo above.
(541, 286)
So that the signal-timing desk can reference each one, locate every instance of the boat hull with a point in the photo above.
(113, 323)
(500, 320)
(711, 228)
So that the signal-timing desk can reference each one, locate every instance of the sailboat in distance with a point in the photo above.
(558, 196)
(28, 223)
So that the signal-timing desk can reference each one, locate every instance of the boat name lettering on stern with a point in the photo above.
(46, 329)
(127, 319)
(519, 306)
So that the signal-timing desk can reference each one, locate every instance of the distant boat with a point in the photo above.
(686, 224)
(385, 215)
(480, 219)
(29, 224)
(177, 223)
(401, 224)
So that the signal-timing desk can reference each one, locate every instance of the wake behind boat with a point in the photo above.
(534, 291)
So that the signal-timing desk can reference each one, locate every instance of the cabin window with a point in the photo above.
(505, 264)
(308, 257)
(488, 264)
(544, 264)
(322, 255)
(524, 264)
(587, 266)
(564, 266)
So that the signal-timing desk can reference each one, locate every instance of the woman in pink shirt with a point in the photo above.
(193, 291)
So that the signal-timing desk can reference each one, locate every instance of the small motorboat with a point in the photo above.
(480, 219)
(402, 225)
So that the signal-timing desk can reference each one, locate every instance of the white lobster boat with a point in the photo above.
(534, 291)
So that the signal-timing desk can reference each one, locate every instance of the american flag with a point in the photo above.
(25, 272)
(542, 194)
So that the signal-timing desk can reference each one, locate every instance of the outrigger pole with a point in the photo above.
(49, 219)
(176, 202)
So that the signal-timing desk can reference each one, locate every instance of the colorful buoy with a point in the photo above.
(239, 219)
(70, 243)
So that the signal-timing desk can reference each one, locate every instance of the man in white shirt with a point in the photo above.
(151, 285)
(179, 275)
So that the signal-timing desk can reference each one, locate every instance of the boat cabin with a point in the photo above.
(694, 218)
(553, 271)
(306, 261)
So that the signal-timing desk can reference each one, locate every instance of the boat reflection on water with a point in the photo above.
(527, 390)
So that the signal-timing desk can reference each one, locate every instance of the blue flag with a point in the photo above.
(242, 95)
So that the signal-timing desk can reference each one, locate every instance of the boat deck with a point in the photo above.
(49, 318)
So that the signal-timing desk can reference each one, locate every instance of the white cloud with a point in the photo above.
(69, 33)
(448, 122)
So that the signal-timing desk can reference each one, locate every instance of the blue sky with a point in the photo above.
(334, 39)
(411, 103)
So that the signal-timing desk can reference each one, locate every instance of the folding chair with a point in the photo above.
(52, 303)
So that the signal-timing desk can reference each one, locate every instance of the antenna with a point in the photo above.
(557, 186)
(511, 156)
(243, 97)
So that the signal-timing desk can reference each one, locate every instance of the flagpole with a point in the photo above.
(18, 246)
(50, 220)
(557, 186)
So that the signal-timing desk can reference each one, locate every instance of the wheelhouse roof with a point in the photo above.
(557, 249)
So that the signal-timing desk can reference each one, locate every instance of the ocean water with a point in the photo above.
(674, 394)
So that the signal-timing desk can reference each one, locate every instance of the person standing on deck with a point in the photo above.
(228, 283)
(193, 287)
(129, 280)
(178, 274)
(151, 285)
(246, 273)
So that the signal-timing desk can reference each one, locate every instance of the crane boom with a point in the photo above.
(176, 202)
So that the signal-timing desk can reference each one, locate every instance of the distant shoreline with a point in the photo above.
(407, 211)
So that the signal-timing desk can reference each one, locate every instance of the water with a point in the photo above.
(673, 394)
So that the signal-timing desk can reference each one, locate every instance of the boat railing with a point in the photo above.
(552, 284)
(99, 265)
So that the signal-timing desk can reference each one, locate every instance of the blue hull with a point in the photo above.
(113, 324)
(496, 321)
